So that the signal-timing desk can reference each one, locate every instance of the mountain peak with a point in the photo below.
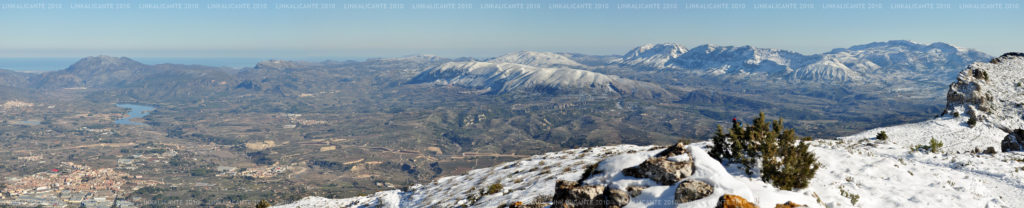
(905, 44)
(104, 62)
(538, 59)
(653, 55)
(280, 64)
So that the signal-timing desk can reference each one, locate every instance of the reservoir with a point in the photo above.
(134, 111)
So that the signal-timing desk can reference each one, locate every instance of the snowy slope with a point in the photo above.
(533, 180)
(657, 56)
(537, 59)
(879, 173)
(508, 77)
(740, 59)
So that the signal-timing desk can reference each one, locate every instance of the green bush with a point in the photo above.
(934, 146)
(881, 136)
(972, 121)
(494, 188)
(784, 160)
(263, 204)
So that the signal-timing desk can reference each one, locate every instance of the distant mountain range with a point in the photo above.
(879, 61)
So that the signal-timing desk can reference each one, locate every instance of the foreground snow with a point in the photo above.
(533, 180)
(888, 174)
(875, 173)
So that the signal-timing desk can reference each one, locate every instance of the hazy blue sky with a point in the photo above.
(358, 33)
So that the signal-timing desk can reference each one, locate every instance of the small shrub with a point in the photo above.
(494, 188)
(881, 136)
(972, 121)
(853, 197)
(933, 146)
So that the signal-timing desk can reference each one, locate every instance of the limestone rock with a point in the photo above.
(661, 170)
(733, 201)
(690, 190)
(676, 149)
(569, 194)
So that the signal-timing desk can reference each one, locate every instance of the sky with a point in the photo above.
(357, 29)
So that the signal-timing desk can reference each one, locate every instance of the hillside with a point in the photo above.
(860, 170)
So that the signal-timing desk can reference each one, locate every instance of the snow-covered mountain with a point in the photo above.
(905, 59)
(860, 170)
(657, 56)
(880, 61)
(509, 77)
(740, 59)
(538, 59)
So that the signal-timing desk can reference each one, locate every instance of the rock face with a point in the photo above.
(1014, 141)
(569, 194)
(733, 201)
(661, 170)
(990, 92)
(690, 190)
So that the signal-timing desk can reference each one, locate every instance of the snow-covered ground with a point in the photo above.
(876, 173)
(888, 174)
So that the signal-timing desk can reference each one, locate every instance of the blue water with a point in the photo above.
(134, 111)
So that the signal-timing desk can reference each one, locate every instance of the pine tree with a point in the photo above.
(720, 145)
(784, 160)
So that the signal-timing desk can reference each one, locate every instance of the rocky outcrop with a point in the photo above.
(1014, 141)
(569, 194)
(671, 151)
(661, 170)
(690, 190)
(790, 204)
(990, 92)
(733, 201)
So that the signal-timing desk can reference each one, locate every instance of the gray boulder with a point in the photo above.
(569, 194)
(690, 190)
(661, 170)
(1014, 141)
